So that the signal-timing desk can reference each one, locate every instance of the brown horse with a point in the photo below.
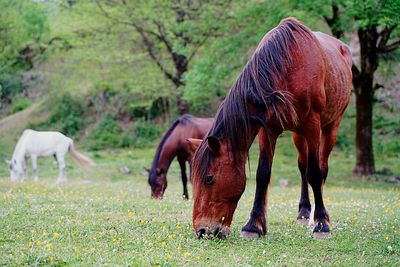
(174, 144)
(296, 80)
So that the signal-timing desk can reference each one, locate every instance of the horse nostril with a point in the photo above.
(201, 232)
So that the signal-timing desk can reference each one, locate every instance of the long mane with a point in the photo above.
(262, 84)
(185, 119)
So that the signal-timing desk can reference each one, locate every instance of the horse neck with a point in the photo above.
(19, 152)
(168, 152)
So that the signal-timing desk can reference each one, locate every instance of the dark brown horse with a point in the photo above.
(174, 144)
(296, 80)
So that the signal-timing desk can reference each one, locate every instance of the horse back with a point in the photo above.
(197, 128)
(45, 143)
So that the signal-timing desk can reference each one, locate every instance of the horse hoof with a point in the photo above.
(303, 221)
(322, 235)
(249, 235)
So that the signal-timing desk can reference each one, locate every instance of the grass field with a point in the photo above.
(103, 217)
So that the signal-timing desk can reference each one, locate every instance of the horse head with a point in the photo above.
(16, 172)
(158, 182)
(218, 184)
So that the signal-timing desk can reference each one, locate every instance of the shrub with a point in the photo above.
(68, 114)
(108, 134)
(146, 132)
(20, 103)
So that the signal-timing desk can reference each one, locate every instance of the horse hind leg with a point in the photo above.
(328, 141)
(303, 216)
(62, 177)
(182, 164)
(315, 177)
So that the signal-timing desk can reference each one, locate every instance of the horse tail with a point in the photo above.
(78, 157)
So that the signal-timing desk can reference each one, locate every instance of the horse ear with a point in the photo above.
(214, 144)
(146, 169)
(194, 143)
(8, 162)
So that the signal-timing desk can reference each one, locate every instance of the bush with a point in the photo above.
(20, 103)
(108, 134)
(68, 114)
(146, 133)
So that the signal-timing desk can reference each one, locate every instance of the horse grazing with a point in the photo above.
(33, 143)
(174, 144)
(296, 80)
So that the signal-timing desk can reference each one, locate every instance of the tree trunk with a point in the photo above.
(364, 90)
(365, 164)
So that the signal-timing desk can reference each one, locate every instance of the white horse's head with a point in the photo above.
(16, 171)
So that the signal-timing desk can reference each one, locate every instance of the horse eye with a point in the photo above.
(209, 180)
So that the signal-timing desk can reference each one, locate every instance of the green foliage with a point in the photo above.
(146, 133)
(20, 103)
(212, 75)
(354, 14)
(108, 134)
(22, 26)
(68, 112)
(34, 20)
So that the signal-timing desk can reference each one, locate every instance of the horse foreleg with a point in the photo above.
(23, 170)
(182, 164)
(315, 177)
(304, 204)
(34, 167)
(257, 224)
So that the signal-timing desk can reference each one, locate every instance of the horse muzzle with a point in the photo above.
(219, 231)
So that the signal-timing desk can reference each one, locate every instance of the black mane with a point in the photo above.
(260, 84)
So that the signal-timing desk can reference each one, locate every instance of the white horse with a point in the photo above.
(33, 143)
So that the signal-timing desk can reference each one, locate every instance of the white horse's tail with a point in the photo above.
(79, 158)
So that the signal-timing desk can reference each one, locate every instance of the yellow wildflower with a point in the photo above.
(49, 246)
(55, 234)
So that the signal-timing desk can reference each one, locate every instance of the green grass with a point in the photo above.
(102, 217)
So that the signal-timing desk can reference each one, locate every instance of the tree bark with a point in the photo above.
(364, 91)
(365, 163)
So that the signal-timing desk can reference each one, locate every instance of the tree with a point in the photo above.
(377, 25)
(171, 32)
(212, 75)
(22, 27)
